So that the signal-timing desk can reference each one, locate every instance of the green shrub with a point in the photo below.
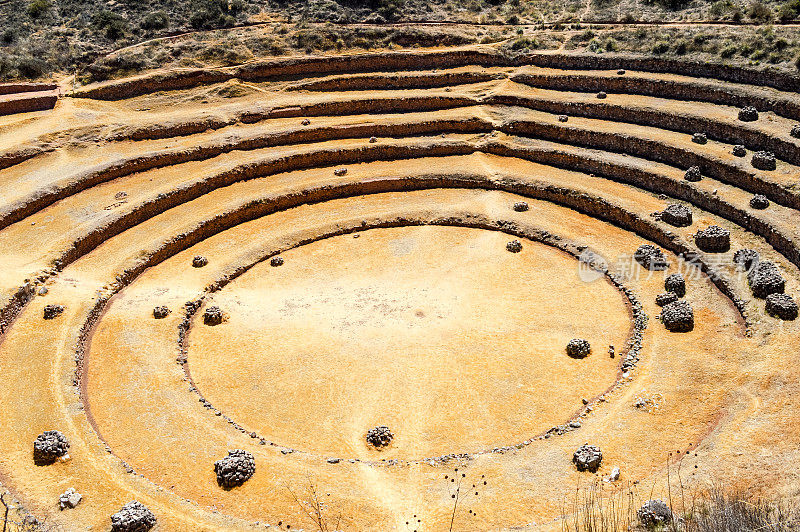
(155, 21)
(759, 12)
(728, 51)
(37, 8)
(115, 26)
(661, 47)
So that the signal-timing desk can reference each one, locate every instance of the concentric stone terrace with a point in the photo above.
(288, 258)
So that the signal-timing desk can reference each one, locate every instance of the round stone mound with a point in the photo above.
(654, 513)
(276, 261)
(764, 160)
(795, 131)
(49, 446)
(514, 246)
(739, 151)
(714, 239)
(578, 348)
(677, 215)
(782, 306)
(666, 298)
(746, 258)
(699, 138)
(199, 261)
(759, 202)
(587, 458)
(651, 257)
(748, 114)
(563, 118)
(521, 206)
(213, 316)
(765, 279)
(52, 311)
(678, 317)
(693, 174)
(235, 469)
(133, 517)
(602, 95)
(379, 436)
(161, 312)
(676, 284)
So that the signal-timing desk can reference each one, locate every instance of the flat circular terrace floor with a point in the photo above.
(438, 332)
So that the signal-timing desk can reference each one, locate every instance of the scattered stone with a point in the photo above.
(235, 469)
(133, 517)
(620, 72)
(714, 239)
(614, 475)
(700, 138)
(52, 311)
(521, 206)
(746, 258)
(666, 298)
(611, 351)
(69, 499)
(654, 513)
(693, 174)
(49, 446)
(379, 436)
(651, 257)
(678, 316)
(333, 460)
(199, 261)
(340, 172)
(578, 348)
(795, 131)
(739, 150)
(764, 160)
(276, 261)
(514, 246)
(563, 118)
(675, 283)
(677, 215)
(759, 202)
(781, 306)
(765, 279)
(748, 114)
(602, 95)
(587, 458)
(213, 316)
(161, 312)
(43, 291)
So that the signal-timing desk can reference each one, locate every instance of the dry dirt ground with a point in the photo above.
(397, 302)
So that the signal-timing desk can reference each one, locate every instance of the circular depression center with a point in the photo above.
(437, 332)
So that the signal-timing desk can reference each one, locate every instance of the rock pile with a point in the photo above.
(795, 131)
(199, 261)
(276, 261)
(563, 118)
(699, 138)
(52, 311)
(748, 114)
(739, 151)
(161, 312)
(693, 174)
(764, 160)
(379, 436)
(521, 206)
(133, 517)
(675, 283)
(781, 306)
(514, 246)
(651, 257)
(213, 316)
(746, 258)
(654, 513)
(587, 458)
(714, 239)
(69, 499)
(235, 469)
(578, 348)
(678, 316)
(677, 215)
(49, 446)
(666, 298)
(759, 202)
(602, 95)
(765, 279)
